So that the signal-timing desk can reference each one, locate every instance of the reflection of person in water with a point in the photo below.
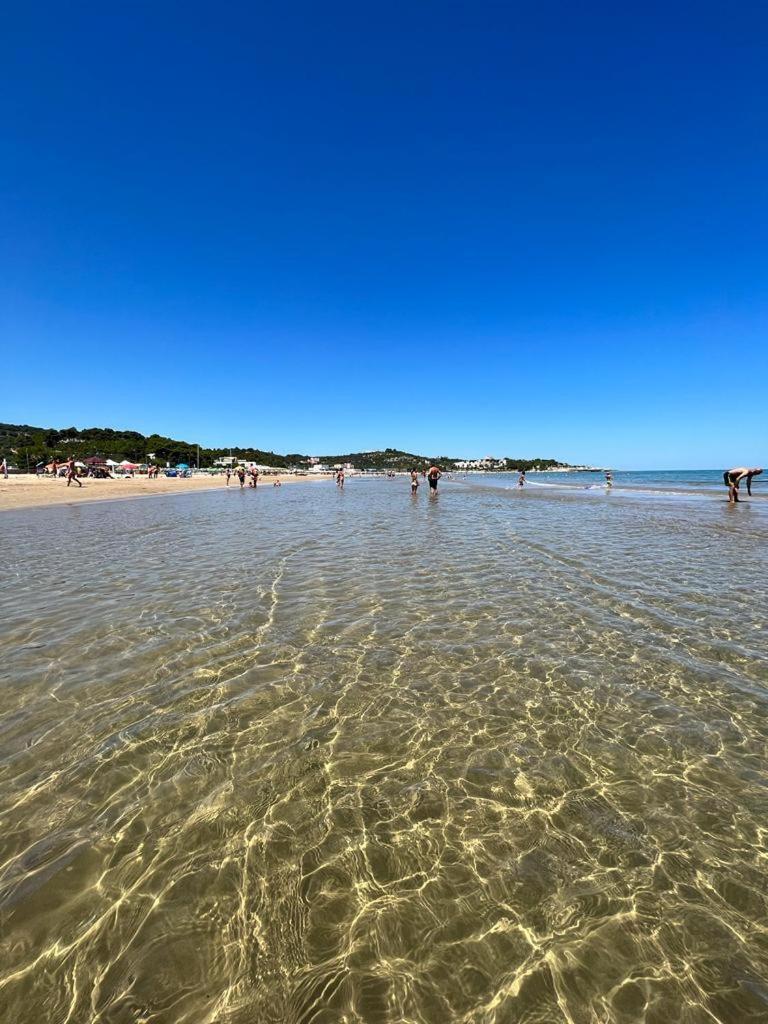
(733, 477)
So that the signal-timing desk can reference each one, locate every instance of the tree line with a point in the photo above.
(26, 446)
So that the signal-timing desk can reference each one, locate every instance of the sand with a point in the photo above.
(29, 491)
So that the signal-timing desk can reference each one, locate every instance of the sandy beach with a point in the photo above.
(28, 491)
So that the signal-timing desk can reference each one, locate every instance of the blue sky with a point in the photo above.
(470, 229)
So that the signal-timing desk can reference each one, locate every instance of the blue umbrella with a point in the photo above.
(182, 465)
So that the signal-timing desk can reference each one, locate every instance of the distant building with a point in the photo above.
(226, 460)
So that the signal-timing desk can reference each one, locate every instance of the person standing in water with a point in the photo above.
(608, 478)
(414, 481)
(240, 471)
(340, 479)
(72, 472)
(733, 477)
(433, 476)
(521, 479)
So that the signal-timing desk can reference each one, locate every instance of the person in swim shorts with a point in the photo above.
(733, 477)
(433, 476)
(72, 472)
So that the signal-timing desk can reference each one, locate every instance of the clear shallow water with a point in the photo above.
(653, 481)
(303, 756)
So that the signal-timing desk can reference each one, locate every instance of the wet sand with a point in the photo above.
(28, 491)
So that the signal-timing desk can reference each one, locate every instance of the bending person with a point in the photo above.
(733, 477)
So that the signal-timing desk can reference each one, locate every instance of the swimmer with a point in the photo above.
(733, 477)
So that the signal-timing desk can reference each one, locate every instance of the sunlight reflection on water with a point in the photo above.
(307, 756)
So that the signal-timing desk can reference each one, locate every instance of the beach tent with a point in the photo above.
(95, 460)
(128, 465)
(80, 465)
(111, 462)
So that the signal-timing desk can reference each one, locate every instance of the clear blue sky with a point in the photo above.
(466, 228)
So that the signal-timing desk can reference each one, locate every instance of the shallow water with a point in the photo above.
(303, 756)
(649, 481)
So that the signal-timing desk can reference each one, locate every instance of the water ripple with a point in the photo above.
(303, 756)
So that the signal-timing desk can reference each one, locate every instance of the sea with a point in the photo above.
(651, 481)
(317, 756)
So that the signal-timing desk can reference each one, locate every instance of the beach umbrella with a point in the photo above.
(80, 465)
(111, 462)
(128, 465)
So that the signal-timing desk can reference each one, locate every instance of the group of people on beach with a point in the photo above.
(732, 478)
(252, 475)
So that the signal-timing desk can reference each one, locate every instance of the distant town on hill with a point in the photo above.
(25, 447)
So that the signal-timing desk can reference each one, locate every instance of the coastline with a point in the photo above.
(28, 491)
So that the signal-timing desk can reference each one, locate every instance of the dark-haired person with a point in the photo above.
(240, 472)
(433, 476)
(72, 472)
(414, 481)
(521, 479)
(733, 477)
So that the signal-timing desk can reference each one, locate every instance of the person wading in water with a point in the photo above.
(733, 477)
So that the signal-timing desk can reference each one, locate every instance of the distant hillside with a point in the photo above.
(24, 446)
